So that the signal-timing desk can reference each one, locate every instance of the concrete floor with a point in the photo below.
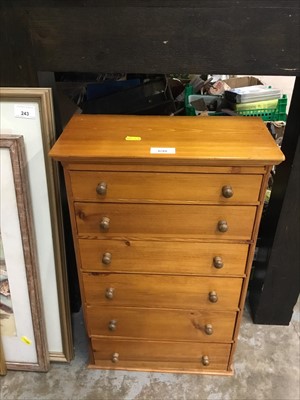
(266, 368)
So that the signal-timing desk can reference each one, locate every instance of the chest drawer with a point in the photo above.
(131, 256)
(187, 325)
(127, 354)
(167, 187)
(162, 291)
(193, 221)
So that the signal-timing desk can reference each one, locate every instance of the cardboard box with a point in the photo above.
(242, 82)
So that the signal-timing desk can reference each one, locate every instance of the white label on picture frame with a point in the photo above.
(24, 111)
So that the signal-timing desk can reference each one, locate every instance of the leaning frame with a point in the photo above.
(43, 97)
(15, 145)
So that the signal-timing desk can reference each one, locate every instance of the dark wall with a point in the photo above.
(232, 37)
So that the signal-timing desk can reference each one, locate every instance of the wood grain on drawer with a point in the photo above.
(159, 324)
(164, 187)
(118, 353)
(163, 291)
(175, 221)
(163, 257)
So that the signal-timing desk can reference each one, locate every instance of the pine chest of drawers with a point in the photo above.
(165, 214)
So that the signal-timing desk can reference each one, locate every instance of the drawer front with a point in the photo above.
(174, 221)
(163, 257)
(190, 356)
(146, 186)
(158, 324)
(162, 291)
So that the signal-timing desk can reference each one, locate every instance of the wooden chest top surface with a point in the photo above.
(175, 140)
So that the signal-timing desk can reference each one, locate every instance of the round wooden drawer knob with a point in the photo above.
(222, 226)
(208, 329)
(227, 191)
(218, 262)
(213, 297)
(109, 293)
(115, 357)
(106, 258)
(205, 361)
(112, 326)
(104, 224)
(101, 188)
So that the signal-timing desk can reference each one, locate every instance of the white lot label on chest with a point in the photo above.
(163, 150)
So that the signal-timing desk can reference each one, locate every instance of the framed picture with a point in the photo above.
(2, 360)
(29, 112)
(23, 333)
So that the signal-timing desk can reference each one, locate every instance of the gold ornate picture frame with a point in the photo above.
(29, 112)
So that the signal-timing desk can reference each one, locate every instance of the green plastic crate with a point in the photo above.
(268, 114)
(277, 114)
(189, 109)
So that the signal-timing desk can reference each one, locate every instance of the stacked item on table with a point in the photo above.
(224, 98)
(258, 100)
(251, 94)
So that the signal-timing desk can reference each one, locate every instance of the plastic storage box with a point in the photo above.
(275, 111)
(278, 113)
(190, 97)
